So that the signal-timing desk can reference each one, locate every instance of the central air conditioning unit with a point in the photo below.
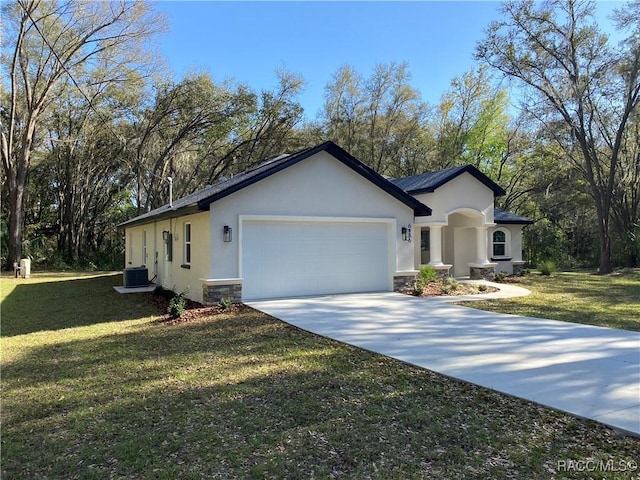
(136, 277)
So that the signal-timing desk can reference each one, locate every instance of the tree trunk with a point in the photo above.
(17, 176)
(15, 226)
(605, 244)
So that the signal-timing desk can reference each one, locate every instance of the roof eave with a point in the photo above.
(341, 155)
(419, 191)
(171, 213)
(515, 222)
(398, 193)
(498, 191)
(205, 203)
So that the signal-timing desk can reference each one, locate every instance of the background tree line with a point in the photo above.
(91, 130)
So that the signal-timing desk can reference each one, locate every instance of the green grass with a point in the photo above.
(581, 297)
(94, 387)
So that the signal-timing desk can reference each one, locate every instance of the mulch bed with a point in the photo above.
(193, 310)
(435, 290)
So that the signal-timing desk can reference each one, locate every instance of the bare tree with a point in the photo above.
(49, 45)
(379, 119)
(578, 84)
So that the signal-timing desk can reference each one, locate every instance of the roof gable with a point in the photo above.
(202, 199)
(428, 182)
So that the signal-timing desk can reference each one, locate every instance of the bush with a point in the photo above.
(177, 305)
(547, 267)
(427, 275)
(225, 303)
(500, 276)
(450, 285)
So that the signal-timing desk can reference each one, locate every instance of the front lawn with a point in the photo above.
(95, 386)
(581, 297)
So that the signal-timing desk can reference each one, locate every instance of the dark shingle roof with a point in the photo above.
(202, 199)
(505, 218)
(429, 181)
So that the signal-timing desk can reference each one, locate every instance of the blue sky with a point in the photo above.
(248, 41)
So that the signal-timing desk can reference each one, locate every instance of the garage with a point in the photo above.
(282, 258)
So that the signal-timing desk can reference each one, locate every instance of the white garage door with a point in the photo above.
(298, 258)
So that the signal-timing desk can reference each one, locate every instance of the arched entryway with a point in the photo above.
(461, 240)
(460, 243)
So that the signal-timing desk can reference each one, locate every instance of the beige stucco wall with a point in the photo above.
(514, 246)
(460, 204)
(319, 186)
(463, 192)
(171, 274)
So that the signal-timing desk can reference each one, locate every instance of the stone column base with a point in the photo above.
(482, 271)
(404, 280)
(215, 290)
(442, 270)
(518, 267)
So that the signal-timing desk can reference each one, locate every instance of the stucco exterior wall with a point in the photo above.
(319, 186)
(464, 191)
(172, 274)
(514, 247)
(134, 246)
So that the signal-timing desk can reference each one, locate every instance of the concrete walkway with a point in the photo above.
(591, 372)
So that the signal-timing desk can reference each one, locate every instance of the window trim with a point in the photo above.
(144, 247)
(130, 250)
(506, 244)
(186, 245)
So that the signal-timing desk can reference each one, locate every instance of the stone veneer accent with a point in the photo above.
(482, 273)
(215, 291)
(401, 282)
(442, 271)
(518, 268)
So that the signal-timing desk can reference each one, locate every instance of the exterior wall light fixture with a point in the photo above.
(227, 235)
(406, 233)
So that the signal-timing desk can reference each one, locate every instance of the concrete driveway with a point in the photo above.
(591, 372)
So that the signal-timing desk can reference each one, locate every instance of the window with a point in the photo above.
(144, 247)
(187, 244)
(499, 244)
(425, 240)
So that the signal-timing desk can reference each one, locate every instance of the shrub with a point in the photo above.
(427, 274)
(500, 276)
(225, 303)
(451, 282)
(547, 267)
(177, 305)
(449, 285)
(482, 287)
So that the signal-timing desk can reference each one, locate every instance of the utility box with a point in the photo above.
(25, 267)
(136, 277)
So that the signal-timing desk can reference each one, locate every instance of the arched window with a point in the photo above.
(499, 244)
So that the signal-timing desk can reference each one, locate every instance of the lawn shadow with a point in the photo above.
(251, 397)
(58, 304)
